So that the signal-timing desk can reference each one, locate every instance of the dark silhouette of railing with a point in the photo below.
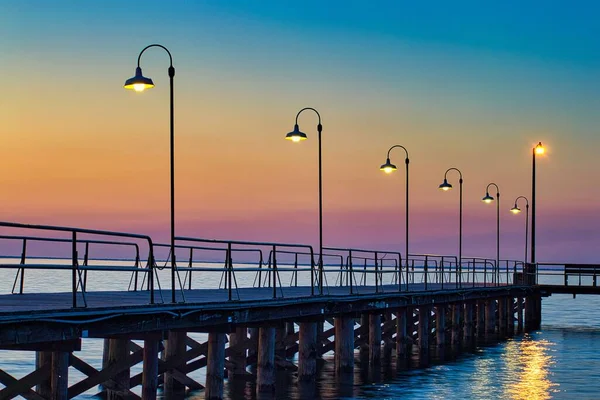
(78, 283)
(349, 268)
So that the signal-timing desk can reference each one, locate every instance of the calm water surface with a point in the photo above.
(561, 361)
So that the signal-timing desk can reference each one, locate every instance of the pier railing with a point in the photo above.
(276, 269)
(77, 267)
(270, 268)
(568, 274)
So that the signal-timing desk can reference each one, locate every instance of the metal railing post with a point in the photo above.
(74, 269)
(151, 272)
(274, 272)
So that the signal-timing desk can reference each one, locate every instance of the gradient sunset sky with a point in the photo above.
(460, 84)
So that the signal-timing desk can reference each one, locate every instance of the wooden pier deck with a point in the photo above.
(287, 327)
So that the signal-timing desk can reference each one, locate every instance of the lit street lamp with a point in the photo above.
(488, 199)
(445, 186)
(296, 136)
(388, 168)
(517, 210)
(139, 83)
(537, 150)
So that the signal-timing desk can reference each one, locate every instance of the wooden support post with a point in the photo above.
(105, 351)
(502, 311)
(364, 335)
(253, 335)
(402, 342)
(374, 339)
(176, 347)
(215, 366)
(43, 388)
(510, 316)
(59, 376)
(469, 325)
(440, 326)
(150, 368)
(320, 337)
(280, 335)
(265, 379)
(118, 351)
(490, 317)
(388, 343)
(307, 351)
(538, 311)
(481, 318)
(424, 330)
(520, 302)
(344, 344)
(456, 326)
(290, 328)
(237, 352)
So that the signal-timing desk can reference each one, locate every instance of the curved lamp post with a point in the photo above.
(296, 136)
(517, 210)
(488, 199)
(445, 186)
(140, 83)
(388, 168)
(537, 150)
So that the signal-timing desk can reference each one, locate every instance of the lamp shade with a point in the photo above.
(515, 210)
(539, 148)
(388, 167)
(487, 199)
(445, 186)
(296, 135)
(139, 82)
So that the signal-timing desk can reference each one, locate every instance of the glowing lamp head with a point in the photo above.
(139, 82)
(539, 149)
(296, 136)
(487, 199)
(515, 210)
(388, 167)
(445, 186)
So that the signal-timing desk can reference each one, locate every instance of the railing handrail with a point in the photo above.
(75, 264)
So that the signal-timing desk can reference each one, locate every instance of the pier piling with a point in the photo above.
(440, 325)
(456, 325)
(344, 344)
(374, 339)
(402, 347)
(150, 368)
(307, 351)
(215, 366)
(176, 346)
(265, 376)
(424, 330)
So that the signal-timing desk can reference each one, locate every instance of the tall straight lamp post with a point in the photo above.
(488, 199)
(517, 210)
(537, 150)
(139, 83)
(297, 136)
(388, 168)
(445, 186)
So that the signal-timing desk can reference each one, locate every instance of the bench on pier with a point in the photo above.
(581, 270)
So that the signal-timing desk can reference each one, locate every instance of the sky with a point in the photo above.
(459, 84)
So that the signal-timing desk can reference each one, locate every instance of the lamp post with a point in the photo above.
(296, 136)
(140, 83)
(517, 210)
(537, 150)
(445, 186)
(388, 168)
(488, 199)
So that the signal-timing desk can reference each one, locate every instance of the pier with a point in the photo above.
(266, 306)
